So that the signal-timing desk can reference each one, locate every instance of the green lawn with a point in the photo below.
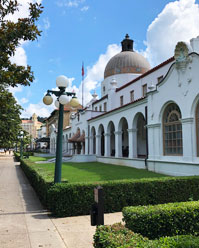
(36, 159)
(90, 172)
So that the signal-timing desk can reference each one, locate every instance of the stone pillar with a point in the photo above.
(82, 148)
(155, 141)
(118, 144)
(132, 144)
(107, 145)
(91, 145)
(187, 135)
(98, 145)
(87, 139)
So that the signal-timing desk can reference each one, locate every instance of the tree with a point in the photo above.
(10, 122)
(11, 33)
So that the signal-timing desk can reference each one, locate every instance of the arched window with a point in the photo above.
(172, 131)
(197, 128)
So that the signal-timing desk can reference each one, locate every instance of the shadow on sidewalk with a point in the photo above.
(31, 202)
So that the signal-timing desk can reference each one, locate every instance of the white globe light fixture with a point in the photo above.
(47, 99)
(57, 104)
(63, 99)
(62, 81)
(74, 102)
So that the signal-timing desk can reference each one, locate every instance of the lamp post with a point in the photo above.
(21, 135)
(62, 99)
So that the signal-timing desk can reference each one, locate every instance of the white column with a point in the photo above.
(87, 139)
(98, 145)
(107, 144)
(187, 127)
(155, 141)
(131, 133)
(82, 148)
(118, 144)
(91, 145)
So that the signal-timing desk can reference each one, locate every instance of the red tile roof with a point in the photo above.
(146, 73)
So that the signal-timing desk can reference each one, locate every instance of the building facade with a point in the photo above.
(145, 118)
(31, 126)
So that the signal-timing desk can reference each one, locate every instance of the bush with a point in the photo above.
(117, 236)
(38, 183)
(77, 198)
(163, 220)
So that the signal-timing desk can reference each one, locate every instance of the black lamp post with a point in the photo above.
(20, 137)
(62, 99)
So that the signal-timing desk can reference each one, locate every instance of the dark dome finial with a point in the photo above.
(127, 44)
(127, 36)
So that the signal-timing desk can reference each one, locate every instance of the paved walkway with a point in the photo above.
(24, 223)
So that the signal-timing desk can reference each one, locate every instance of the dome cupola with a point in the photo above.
(127, 61)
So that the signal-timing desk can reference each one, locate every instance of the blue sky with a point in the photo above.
(91, 31)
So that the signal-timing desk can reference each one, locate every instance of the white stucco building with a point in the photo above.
(146, 118)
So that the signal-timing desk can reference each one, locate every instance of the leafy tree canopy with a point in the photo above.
(11, 33)
(9, 119)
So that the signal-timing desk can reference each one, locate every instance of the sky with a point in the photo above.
(91, 31)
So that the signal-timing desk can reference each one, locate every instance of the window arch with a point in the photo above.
(172, 131)
(197, 128)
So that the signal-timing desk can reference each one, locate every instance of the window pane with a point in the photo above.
(172, 130)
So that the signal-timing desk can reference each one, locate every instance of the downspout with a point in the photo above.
(146, 130)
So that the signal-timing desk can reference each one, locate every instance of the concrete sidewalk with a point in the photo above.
(24, 223)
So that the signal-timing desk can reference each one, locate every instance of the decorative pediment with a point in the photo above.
(181, 55)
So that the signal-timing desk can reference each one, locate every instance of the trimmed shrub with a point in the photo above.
(38, 183)
(76, 198)
(117, 236)
(163, 220)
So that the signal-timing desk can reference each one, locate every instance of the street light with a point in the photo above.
(20, 137)
(62, 99)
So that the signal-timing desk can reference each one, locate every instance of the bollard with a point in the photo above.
(97, 209)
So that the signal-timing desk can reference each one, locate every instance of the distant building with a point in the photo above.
(31, 126)
(52, 120)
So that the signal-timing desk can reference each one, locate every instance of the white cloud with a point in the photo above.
(178, 21)
(14, 90)
(85, 8)
(20, 57)
(95, 73)
(46, 23)
(23, 100)
(23, 10)
(69, 3)
(40, 109)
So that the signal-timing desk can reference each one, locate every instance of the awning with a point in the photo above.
(81, 138)
(75, 137)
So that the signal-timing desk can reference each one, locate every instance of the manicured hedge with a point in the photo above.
(77, 198)
(38, 183)
(164, 219)
(117, 236)
(67, 199)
